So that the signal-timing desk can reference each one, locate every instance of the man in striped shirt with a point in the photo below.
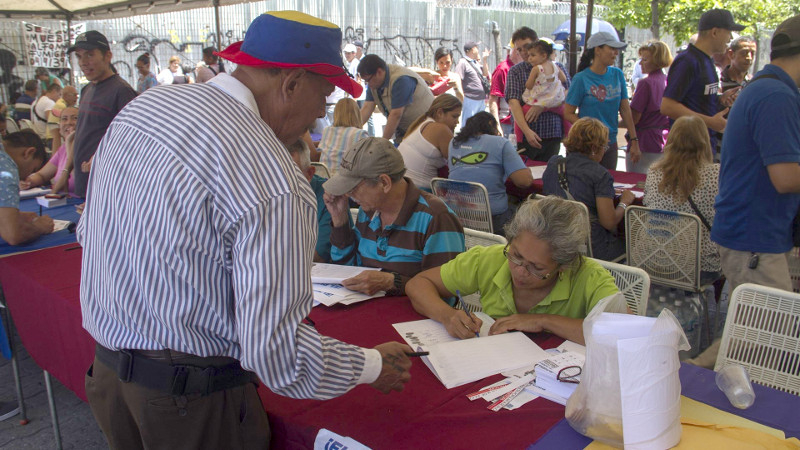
(399, 229)
(197, 240)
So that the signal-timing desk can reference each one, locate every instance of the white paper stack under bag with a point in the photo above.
(629, 393)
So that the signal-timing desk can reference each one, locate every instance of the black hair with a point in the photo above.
(586, 59)
(24, 139)
(441, 52)
(370, 64)
(144, 58)
(481, 123)
(209, 51)
(524, 33)
(31, 85)
(542, 46)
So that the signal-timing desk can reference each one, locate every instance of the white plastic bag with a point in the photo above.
(630, 390)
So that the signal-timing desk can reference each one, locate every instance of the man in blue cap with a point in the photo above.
(197, 236)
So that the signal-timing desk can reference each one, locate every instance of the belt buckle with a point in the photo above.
(125, 365)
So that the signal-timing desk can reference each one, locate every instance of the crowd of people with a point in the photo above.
(236, 214)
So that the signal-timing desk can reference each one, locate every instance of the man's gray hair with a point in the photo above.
(558, 222)
(301, 148)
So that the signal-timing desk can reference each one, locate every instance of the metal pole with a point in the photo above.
(219, 28)
(589, 14)
(69, 57)
(53, 414)
(573, 40)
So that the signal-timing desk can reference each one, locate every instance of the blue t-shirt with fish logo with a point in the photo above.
(488, 160)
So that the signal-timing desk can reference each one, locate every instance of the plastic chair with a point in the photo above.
(321, 169)
(587, 251)
(470, 202)
(25, 123)
(633, 284)
(473, 238)
(666, 245)
(762, 333)
(11, 125)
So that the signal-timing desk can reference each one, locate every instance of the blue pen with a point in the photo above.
(464, 307)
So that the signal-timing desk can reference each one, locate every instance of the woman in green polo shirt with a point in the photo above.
(538, 282)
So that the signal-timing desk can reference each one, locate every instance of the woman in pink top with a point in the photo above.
(651, 126)
(55, 168)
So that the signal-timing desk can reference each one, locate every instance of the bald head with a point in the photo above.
(70, 95)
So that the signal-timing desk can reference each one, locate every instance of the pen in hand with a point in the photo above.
(464, 307)
(416, 354)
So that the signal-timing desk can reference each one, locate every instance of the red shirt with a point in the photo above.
(499, 77)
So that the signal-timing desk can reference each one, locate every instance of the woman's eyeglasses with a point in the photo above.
(528, 267)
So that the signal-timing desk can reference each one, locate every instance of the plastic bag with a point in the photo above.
(630, 390)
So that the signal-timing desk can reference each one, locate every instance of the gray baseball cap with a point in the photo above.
(787, 36)
(605, 38)
(367, 160)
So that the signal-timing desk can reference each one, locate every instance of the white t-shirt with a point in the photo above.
(41, 108)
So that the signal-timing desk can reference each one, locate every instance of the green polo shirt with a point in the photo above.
(485, 270)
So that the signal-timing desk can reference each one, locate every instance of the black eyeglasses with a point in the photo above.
(570, 374)
(528, 267)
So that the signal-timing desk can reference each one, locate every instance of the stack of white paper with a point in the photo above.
(327, 284)
(456, 362)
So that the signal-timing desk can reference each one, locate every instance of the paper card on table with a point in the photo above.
(335, 273)
(33, 192)
(59, 225)
(331, 293)
(537, 171)
(464, 361)
(569, 346)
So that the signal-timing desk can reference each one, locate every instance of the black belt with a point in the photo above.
(175, 379)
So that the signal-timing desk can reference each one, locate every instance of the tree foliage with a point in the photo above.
(679, 17)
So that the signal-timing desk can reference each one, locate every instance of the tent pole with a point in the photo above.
(573, 40)
(589, 14)
(216, 22)
(69, 56)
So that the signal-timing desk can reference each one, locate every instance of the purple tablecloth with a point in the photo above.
(772, 408)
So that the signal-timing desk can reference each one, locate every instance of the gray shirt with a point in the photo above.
(470, 78)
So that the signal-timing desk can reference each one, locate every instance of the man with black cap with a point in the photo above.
(197, 238)
(473, 75)
(105, 96)
(693, 82)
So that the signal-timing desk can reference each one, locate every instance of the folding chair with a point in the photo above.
(470, 202)
(321, 169)
(666, 245)
(762, 333)
(473, 238)
(633, 284)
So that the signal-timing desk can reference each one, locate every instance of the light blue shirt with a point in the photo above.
(599, 96)
(488, 160)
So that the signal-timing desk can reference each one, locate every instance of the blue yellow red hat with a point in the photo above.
(291, 40)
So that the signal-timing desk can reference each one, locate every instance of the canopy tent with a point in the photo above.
(562, 32)
(98, 9)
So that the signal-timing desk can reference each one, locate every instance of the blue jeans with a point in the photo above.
(470, 108)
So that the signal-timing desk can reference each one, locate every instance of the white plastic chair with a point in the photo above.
(470, 202)
(11, 125)
(25, 123)
(588, 246)
(762, 333)
(321, 169)
(633, 284)
(666, 245)
(475, 237)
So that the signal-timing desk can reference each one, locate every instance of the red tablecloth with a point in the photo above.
(424, 415)
(42, 291)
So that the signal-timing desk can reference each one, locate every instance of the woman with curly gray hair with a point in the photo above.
(538, 282)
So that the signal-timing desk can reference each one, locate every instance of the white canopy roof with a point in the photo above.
(94, 9)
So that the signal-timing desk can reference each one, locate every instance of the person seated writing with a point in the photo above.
(538, 282)
(399, 228)
(23, 154)
(55, 168)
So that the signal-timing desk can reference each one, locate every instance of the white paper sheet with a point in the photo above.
(426, 333)
(537, 171)
(335, 273)
(33, 192)
(59, 225)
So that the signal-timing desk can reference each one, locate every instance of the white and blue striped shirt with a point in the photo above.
(198, 235)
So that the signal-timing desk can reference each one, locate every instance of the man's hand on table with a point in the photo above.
(44, 224)
(394, 373)
(370, 282)
(627, 197)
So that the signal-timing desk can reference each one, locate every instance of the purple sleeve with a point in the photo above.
(641, 96)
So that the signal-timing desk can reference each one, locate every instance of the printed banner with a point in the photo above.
(46, 47)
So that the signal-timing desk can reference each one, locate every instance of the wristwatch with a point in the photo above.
(634, 139)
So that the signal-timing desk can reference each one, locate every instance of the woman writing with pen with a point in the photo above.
(538, 282)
